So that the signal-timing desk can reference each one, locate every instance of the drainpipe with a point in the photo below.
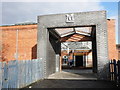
(17, 44)
(74, 57)
(68, 50)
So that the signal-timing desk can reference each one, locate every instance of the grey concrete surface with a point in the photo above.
(74, 75)
(78, 71)
(72, 79)
(63, 83)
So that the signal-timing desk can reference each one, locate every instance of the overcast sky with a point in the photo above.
(17, 12)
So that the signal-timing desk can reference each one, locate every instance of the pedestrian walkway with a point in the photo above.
(72, 79)
(64, 83)
(74, 74)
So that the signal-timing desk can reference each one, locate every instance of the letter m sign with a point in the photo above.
(69, 17)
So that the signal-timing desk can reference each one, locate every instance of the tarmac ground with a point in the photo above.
(72, 79)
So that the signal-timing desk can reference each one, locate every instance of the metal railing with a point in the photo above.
(114, 68)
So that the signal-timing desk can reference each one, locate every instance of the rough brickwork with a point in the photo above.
(0, 44)
(111, 39)
(26, 43)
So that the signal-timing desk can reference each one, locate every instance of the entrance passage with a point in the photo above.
(79, 61)
(76, 47)
(70, 48)
(52, 32)
(86, 74)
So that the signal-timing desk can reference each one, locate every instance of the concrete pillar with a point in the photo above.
(95, 19)
(74, 60)
(57, 63)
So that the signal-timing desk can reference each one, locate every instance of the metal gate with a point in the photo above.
(10, 73)
(18, 74)
(4, 75)
(114, 69)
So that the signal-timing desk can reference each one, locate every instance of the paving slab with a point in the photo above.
(69, 75)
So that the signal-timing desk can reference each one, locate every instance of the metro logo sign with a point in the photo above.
(69, 17)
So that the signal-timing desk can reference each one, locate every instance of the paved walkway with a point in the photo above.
(72, 79)
(61, 83)
(74, 74)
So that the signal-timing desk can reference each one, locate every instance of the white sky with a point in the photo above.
(60, 0)
(28, 10)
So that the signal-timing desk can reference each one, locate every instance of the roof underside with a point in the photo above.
(86, 31)
(74, 34)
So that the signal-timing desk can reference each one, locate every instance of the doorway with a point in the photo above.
(79, 61)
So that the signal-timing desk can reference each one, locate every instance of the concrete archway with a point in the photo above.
(48, 47)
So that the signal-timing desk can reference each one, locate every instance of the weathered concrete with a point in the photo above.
(94, 18)
(74, 75)
(73, 84)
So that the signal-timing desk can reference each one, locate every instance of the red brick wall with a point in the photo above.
(27, 40)
(111, 39)
(0, 43)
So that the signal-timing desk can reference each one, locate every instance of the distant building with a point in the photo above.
(118, 49)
